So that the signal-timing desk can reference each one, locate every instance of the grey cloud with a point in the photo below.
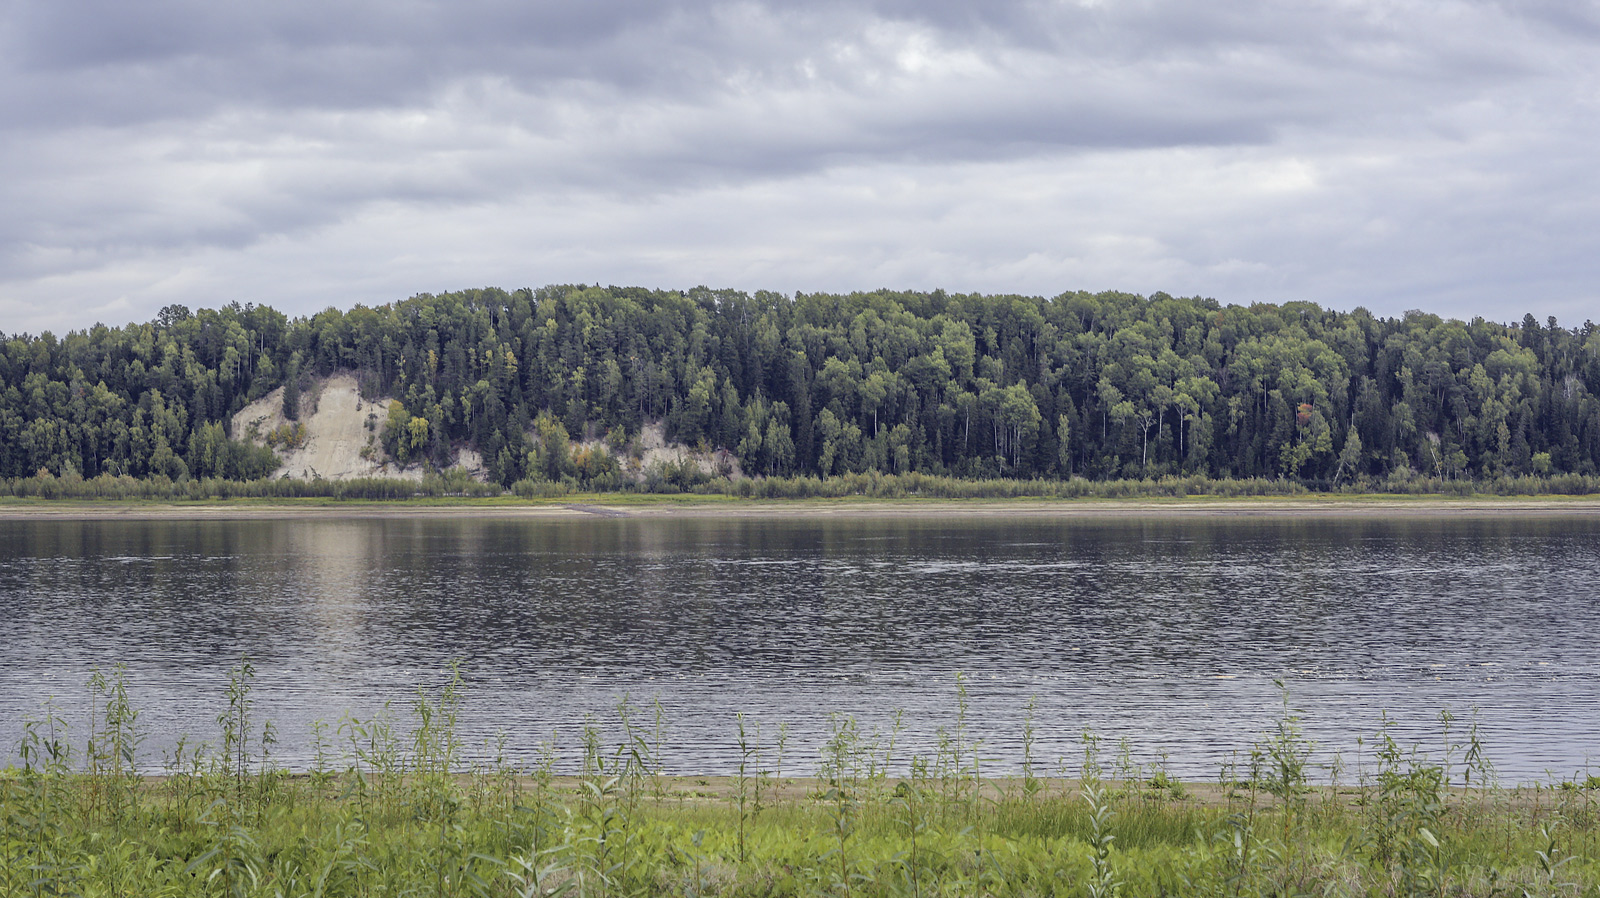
(1574, 18)
(1443, 145)
(117, 62)
(670, 96)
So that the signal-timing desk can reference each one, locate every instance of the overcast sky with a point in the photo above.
(1396, 155)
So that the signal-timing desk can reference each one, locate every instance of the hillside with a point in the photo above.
(1102, 386)
(338, 435)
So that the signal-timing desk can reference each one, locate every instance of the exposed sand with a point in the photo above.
(344, 439)
(344, 435)
(337, 432)
(1130, 508)
(842, 509)
(656, 450)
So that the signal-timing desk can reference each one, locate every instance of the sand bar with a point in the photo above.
(594, 507)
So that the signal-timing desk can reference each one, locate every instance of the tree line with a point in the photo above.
(1105, 386)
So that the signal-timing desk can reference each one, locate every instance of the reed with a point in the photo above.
(392, 807)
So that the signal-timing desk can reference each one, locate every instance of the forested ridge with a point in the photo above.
(1100, 386)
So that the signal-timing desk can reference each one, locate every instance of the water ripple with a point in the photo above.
(1166, 633)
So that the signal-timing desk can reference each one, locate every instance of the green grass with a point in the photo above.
(388, 812)
(455, 485)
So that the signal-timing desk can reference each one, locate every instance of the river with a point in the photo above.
(1171, 634)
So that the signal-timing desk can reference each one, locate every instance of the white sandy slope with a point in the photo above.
(336, 432)
(655, 449)
(337, 424)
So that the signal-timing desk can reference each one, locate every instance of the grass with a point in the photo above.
(456, 483)
(386, 811)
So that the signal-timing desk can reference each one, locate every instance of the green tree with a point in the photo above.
(291, 388)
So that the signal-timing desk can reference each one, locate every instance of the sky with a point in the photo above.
(1394, 155)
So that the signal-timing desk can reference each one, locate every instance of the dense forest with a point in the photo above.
(1097, 386)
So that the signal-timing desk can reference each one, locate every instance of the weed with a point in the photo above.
(387, 815)
(1103, 881)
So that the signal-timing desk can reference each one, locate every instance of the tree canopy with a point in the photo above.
(1105, 385)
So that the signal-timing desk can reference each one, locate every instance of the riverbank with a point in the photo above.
(649, 506)
(1143, 788)
(618, 830)
(402, 811)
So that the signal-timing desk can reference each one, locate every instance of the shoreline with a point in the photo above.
(632, 506)
(721, 788)
(669, 790)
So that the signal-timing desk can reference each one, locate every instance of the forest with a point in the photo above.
(1078, 386)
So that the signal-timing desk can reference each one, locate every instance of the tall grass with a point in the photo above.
(391, 807)
(681, 480)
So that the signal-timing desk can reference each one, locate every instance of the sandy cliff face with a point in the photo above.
(655, 449)
(336, 433)
(343, 438)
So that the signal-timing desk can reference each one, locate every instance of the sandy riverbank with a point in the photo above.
(717, 507)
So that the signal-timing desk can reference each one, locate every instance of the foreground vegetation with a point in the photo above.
(1107, 386)
(384, 811)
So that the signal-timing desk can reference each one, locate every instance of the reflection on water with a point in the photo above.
(1166, 632)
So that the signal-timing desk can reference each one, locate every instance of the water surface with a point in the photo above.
(1166, 632)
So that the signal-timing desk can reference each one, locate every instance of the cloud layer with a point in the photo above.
(1395, 155)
